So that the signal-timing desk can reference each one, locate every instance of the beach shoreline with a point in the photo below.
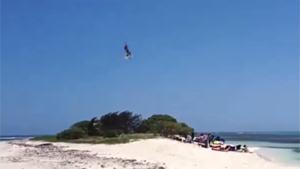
(156, 153)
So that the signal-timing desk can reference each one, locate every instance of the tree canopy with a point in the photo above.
(82, 125)
(116, 123)
(164, 125)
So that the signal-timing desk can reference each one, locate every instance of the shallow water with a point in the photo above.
(285, 153)
(281, 147)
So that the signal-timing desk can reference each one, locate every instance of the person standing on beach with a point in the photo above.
(193, 135)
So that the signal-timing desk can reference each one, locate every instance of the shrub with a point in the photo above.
(126, 122)
(116, 123)
(162, 117)
(94, 127)
(164, 125)
(72, 133)
(82, 125)
(111, 133)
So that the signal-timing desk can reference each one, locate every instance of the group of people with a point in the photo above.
(208, 140)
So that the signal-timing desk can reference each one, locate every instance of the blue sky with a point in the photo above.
(218, 65)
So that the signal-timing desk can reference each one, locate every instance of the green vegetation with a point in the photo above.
(120, 127)
(83, 125)
(72, 133)
(165, 125)
(50, 138)
(123, 138)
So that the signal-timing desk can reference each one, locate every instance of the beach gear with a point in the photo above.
(217, 142)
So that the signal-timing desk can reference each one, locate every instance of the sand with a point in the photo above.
(157, 153)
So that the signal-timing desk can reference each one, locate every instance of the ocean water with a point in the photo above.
(8, 138)
(281, 147)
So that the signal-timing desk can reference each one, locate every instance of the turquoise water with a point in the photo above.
(281, 147)
(284, 153)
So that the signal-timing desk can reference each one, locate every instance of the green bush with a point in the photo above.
(111, 133)
(164, 125)
(125, 121)
(82, 125)
(116, 123)
(72, 133)
(162, 117)
(94, 127)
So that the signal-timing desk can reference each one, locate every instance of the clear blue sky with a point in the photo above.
(219, 65)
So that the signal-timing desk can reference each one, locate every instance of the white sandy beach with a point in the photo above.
(145, 154)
